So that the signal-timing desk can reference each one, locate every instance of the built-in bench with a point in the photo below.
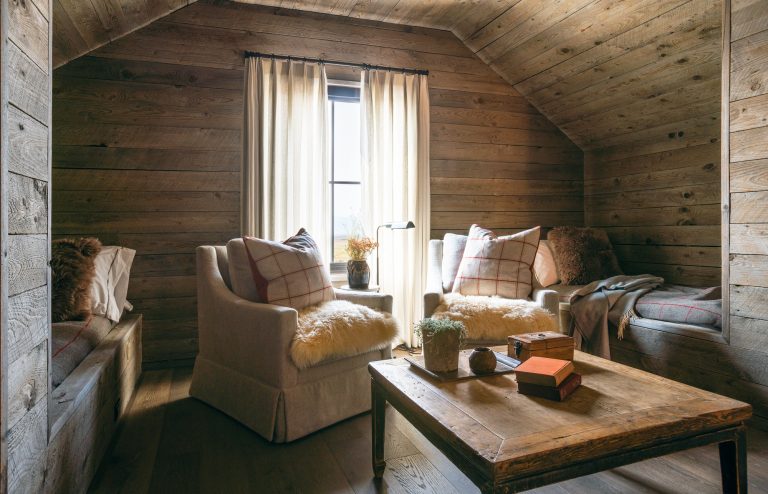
(86, 407)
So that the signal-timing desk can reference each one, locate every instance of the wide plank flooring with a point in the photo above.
(172, 443)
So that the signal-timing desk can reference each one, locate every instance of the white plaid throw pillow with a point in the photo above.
(500, 266)
(289, 273)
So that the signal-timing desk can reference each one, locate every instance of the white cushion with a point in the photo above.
(109, 289)
(289, 273)
(500, 266)
(544, 267)
(453, 250)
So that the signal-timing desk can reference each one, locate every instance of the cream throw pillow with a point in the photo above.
(500, 266)
(289, 273)
(453, 250)
(544, 267)
(109, 289)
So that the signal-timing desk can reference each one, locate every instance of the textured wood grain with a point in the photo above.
(27, 442)
(748, 57)
(27, 205)
(748, 301)
(749, 270)
(201, 449)
(496, 435)
(83, 26)
(87, 406)
(27, 84)
(27, 324)
(28, 28)
(148, 139)
(27, 262)
(748, 135)
(749, 239)
(27, 145)
(27, 382)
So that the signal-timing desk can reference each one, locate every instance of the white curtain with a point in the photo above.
(395, 144)
(286, 166)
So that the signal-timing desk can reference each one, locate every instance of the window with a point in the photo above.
(346, 190)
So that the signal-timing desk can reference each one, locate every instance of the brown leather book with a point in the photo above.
(544, 371)
(559, 393)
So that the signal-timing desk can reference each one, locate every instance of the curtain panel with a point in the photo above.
(286, 154)
(395, 147)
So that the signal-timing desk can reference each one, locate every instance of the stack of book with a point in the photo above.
(550, 378)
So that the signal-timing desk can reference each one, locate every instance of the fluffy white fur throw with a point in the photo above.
(495, 318)
(339, 328)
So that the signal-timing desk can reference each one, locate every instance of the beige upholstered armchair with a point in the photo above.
(244, 368)
(436, 281)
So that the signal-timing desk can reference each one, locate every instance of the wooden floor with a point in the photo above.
(172, 443)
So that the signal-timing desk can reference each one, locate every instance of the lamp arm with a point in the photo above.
(378, 250)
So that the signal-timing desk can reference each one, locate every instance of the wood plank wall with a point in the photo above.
(733, 364)
(24, 299)
(147, 142)
(655, 184)
(748, 183)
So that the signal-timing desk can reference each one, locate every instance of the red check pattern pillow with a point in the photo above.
(500, 266)
(289, 273)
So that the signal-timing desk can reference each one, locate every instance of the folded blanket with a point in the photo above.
(683, 304)
(590, 307)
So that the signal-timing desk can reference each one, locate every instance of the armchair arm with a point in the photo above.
(378, 301)
(549, 299)
(434, 294)
(248, 337)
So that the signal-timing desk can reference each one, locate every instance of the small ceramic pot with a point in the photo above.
(482, 360)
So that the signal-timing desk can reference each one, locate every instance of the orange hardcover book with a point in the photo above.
(544, 371)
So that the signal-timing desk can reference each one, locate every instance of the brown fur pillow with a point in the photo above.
(72, 273)
(583, 255)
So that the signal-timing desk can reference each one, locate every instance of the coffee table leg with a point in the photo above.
(378, 402)
(733, 464)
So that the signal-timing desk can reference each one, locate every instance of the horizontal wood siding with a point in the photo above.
(735, 365)
(25, 176)
(147, 142)
(748, 232)
(652, 171)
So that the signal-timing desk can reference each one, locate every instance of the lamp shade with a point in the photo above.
(401, 225)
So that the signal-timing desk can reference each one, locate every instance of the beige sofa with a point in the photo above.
(549, 299)
(243, 367)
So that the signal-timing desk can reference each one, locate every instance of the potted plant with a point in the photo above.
(358, 271)
(441, 340)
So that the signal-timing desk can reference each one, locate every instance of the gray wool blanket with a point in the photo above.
(591, 305)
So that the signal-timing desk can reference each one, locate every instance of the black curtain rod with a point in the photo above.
(250, 54)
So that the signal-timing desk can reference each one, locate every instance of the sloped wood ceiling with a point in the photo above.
(80, 26)
(597, 69)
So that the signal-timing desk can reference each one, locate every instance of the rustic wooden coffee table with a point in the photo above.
(508, 442)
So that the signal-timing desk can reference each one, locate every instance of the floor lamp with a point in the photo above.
(395, 225)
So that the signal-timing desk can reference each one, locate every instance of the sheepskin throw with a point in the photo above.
(583, 255)
(495, 318)
(72, 272)
(289, 273)
(338, 329)
(494, 265)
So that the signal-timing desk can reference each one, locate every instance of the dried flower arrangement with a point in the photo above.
(358, 248)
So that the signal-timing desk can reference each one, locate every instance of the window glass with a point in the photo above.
(346, 141)
(346, 171)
